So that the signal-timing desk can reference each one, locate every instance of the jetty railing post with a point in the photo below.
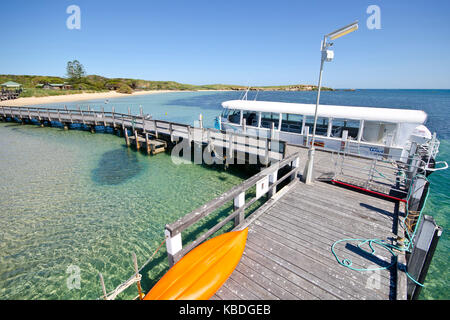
(82, 116)
(156, 129)
(113, 118)
(136, 271)
(103, 115)
(39, 117)
(173, 245)
(49, 119)
(171, 132)
(238, 202)
(295, 164)
(70, 114)
(131, 118)
(59, 117)
(141, 111)
(272, 179)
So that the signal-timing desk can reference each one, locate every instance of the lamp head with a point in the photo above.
(343, 31)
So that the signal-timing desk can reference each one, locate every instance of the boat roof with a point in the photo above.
(331, 111)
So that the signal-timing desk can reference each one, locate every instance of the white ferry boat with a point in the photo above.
(364, 131)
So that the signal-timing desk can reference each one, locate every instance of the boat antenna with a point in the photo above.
(246, 93)
(257, 91)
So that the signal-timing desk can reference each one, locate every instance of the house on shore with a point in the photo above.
(54, 86)
(11, 85)
(10, 90)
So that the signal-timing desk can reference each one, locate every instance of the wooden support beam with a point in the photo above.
(147, 143)
(136, 139)
(103, 115)
(113, 118)
(127, 140)
(156, 129)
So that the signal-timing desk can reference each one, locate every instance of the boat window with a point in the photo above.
(292, 123)
(267, 118)
(339, 125)
(225, 113)
(251, 118)
(321, 126)
(379, 132)
(234, 116)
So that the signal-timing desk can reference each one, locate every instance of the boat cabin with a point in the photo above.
(364, 131)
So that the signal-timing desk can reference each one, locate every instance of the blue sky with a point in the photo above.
(234, 42)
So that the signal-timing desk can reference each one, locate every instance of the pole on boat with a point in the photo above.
(200, 121)
(327, 55)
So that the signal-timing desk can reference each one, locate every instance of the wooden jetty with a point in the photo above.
(292, 226)
(154, 136)
(289, 254)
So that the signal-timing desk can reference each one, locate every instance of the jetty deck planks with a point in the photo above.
(288, 252)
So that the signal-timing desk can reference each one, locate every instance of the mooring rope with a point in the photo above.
(136, 277)
(389, 247)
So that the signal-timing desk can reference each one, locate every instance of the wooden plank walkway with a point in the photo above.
(235, 146)
(288, 252)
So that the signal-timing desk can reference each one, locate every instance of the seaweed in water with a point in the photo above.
(116, 167)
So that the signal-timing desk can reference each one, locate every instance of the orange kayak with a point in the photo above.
(200, 273)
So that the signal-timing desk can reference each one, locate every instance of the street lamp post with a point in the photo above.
(327, 55)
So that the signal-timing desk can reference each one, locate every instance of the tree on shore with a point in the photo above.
(75, 70)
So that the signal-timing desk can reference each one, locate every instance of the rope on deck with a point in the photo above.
(390, 247)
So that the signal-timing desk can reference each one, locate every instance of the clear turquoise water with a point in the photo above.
(74, 198)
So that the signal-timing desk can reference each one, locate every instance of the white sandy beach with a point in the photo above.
(75, 97)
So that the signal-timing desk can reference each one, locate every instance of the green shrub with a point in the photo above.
(124, 88)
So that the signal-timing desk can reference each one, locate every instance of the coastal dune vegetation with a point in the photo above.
(76, 81)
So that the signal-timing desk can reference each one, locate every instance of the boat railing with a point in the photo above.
(266, 182)
(382, 174)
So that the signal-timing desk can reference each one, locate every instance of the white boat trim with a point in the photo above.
(365, 131)
(331, 111)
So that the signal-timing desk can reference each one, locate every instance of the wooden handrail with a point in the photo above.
(139, 120)
(173, 230)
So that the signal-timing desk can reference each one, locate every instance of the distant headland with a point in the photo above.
(35, 85)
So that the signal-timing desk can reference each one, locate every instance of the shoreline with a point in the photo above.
(20, 102)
